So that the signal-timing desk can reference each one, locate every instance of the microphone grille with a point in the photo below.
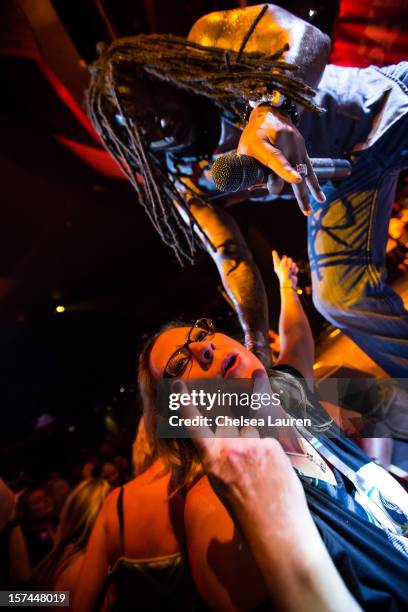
(233, 172)
(227, 172)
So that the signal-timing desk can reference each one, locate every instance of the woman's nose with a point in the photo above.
(203, 351)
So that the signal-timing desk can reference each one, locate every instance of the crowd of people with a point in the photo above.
(42, 516)
(302, 520)
(210, 522)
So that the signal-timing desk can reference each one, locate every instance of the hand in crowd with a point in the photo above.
(275, 142)
(247, 472)
(286, 270)
(255, 481)
(244, 471)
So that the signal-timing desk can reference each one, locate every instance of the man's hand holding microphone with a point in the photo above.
(272, 151)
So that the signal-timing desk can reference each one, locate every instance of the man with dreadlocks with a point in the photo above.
(164, 106)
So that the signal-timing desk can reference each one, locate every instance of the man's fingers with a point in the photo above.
(280, 165)
(249, 432)
(227, 431)
(202, 435)
(313, 183)
(274, 159)
(261, 382)
(275, 184)
(301, 195)
(276, 259)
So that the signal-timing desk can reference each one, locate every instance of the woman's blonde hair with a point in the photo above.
(178, 455)
(78, 517)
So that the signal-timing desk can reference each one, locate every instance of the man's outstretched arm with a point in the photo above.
(239, 274)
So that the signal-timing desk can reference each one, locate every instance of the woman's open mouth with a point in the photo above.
(229, 364)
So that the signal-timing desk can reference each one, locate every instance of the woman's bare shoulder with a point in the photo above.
(204, 515)
(201, 489)
(151, 484)
(68, 579)
(221, 564)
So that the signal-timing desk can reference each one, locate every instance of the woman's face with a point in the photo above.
(216, 356)
(111, 474)
(163, 114)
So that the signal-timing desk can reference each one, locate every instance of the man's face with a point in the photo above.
(111, 474)
(163, 114)
(40, 504)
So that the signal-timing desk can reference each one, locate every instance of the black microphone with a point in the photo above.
(233, 172)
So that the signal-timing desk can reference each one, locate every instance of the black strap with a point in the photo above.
(119, 508)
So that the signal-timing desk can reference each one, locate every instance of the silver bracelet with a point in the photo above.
(275, 99)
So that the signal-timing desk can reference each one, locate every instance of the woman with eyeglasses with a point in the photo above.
(362, 516)
(144, 531)
(139, 539)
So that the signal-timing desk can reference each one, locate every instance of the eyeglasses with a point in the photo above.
(179, 360)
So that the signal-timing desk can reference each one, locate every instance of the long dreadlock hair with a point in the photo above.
(229, 79)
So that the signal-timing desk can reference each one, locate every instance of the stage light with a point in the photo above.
(312, 13)
(60, 309)
(122, 389)
(300, 291)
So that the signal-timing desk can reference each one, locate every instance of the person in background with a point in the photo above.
(38, 518)
(109, 472)
(14, 562)
(58, 489)
(122, 465)
(7, 504)
(138, 543)
(60, 570)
